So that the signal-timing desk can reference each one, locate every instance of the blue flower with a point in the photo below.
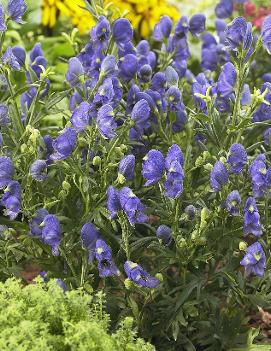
(38, 61)
(252, 224)
(89, 236)
(163, 233)
(132, 206)
(197, 24)
(239, 33)
(227, 80)
(51, 233)
(233, 202)
(224, 8)
(258, 174)
(64, 144)
(219, 176)
(264, 111)
(16, 10)
(4, 116)
(158, 82)
(172, 76)
(145, 73)
(101, 32)
(246, 96)
(153, 167)
(122, 31)
(140, 115)
(106, 264)
(254, 260)
(106, 122)
(140, 277)
(237, 158)
(109, 66)
(128, 66)
(11, 199)
(174, 154)
(81, 116)
(162, 29)
(174, 180)
(266, 33)
(113, 201)
(35, 222)
(3, 26)
(127, 167)
(267, 136)
(6, 171)
(1, 140)
(38, 170)
(173, 96)
(11, 60)
(61, 284)
(75, 70)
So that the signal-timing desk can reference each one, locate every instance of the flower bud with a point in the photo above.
(65, 185)
(208, 167)
(128, 284)
(121, 179)
(190, 211)
(242, 246)
(159, 276)
(24, 148)
(96, 161)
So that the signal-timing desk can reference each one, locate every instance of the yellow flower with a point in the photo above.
(142, 14)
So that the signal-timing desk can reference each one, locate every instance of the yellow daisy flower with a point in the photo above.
(142, 14)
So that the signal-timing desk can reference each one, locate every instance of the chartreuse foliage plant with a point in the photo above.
(147, 176)
(41, 316)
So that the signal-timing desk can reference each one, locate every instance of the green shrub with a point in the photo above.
(41, 317)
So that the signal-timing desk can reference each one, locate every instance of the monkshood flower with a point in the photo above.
(51, 233)
(16, 10)
(219, 176)
(20, 54)
(254, 260)
(4, 116)
(132, 206)
(35, 222)
(103, 255)
(173, 96)
(37, 60)
(153, 167)
(11, 60)
(267, 136)
(140, 115)
(127, 167)
(106, 122)
(200, 86)
(38, 170)
(6, 171)
(174, 180)
(89, 236)
(140, 277)
(1, 140)
(163, 233)
(3, 26)
(128, 66)
(239, 33)
(158, 82)
(197, 24)
(258, 174)
(162, 29)
(109, 66)
(237, 158)
(145, 55)
(11, 199)
(100, 33)
(226, 80)
(246, 96)
(172, 76)
(209, 57)
(61, 284)
(266, 33)
(224, 9)
(190, 211)
(252, 224)
(181, 119)
(122, 31)
(113, 201)
(145, 73)
(174, 154)
(81, 116)
(48, 150)
(182, 27)
(64, 144)
(233, 202)
(75, 70)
